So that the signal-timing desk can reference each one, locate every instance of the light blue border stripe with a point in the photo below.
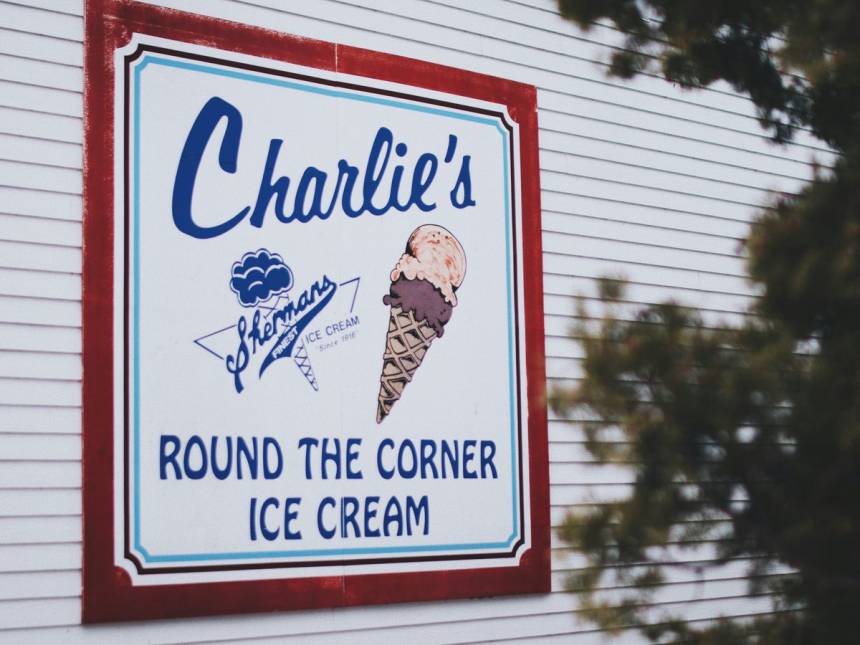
(315, 89)
(195, 557)
(136, 296)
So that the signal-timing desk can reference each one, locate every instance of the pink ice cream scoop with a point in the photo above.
(433, 254)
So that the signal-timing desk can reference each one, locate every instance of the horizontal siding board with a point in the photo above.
(637, 157)
(599, 493)
(36, 21)
(50, 584)
(25, 201)
(40, 557)
(35, 284)
(568, 324)
(641, 252)
(71, 7)
(560, 105)
(586, 266)
(563, 309)
(40, 257)
(570, 200)
(40, 503)
(40, 530)
(38, 475)
(585, 473)
(20, 391)
(638, 232)
(40, 311)
(49, 612)
(64, 103)
(40, 338)
(40, 177)
(61, 367)
(628, 169)
(20, 419)
(40, 125)
(32, 447)
(689, 559)
(40, 230)
(644, 293)
(40, 47)
(646, 195)
(558, 512)
(40, 73)
(711, 156)
(661, 133)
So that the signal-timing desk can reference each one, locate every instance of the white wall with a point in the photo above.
(637, 178)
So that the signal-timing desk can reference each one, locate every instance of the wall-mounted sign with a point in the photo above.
(313, 336)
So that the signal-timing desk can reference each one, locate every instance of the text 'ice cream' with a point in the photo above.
(422, 298)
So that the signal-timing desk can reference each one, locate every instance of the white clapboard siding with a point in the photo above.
(638, 179)
(64, 103)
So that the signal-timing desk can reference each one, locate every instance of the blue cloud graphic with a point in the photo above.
(258, 276)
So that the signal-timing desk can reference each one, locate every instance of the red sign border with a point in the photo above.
(108, 594)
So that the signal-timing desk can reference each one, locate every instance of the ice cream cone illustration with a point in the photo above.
(303, 362)
(422, 298)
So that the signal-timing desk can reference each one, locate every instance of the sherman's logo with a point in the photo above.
(276, 318)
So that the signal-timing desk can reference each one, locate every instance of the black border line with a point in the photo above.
(129, 555)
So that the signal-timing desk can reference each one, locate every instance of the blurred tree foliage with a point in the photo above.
(746, 435)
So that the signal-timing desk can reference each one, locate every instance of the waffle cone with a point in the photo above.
(405, 346)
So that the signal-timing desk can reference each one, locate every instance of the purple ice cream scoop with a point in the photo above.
(423, 299)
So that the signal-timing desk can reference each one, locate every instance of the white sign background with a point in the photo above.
(178, 292)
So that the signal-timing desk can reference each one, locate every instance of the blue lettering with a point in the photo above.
(393, 515)
(237, 364)
(189, 162)
(352, 446)
(200, 472)
(428, 453)
(464, 184)
(407, 450)
(468, 457)
(221, 473)
(326, 532)
(488, 451)
(376, 194)
(268, 472)
(290, 514)
(307, 443)
(252, 520)
(417, 512)
(450, 459)
(268, 188)
(348, 511)
(267, 503)
(383, 471)
(425, 172)
(375, 169)
(168, 458)
(370, 503)
(250, 456)
(330, 456)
